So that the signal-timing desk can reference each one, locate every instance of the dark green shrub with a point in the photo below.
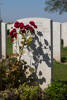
(9, 94)
(35, 93)
(8, 32)
(57, 91)
(14, 84)
(24, 92)
(27, 92)
(12, 73)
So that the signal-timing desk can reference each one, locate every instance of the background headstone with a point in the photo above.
(57, 41)
(3, 39)
(0, 40)
(64, 34)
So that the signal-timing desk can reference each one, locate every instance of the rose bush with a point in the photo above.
(26, 32)
(22, 29)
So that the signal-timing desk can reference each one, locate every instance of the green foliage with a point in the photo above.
(25, 41)
(13, 78)
(35, 93)
(13, 73)
(56, 5)
(24, 92)
(14, 85)
(57, 91)
(9, 94)
(31, 69)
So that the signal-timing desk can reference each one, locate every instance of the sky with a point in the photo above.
(12, 10)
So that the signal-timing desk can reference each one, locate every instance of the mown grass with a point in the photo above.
(64, 54)
(9, 46)
(59, 71)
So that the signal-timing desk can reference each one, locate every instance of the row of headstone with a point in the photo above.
(55, 27)
(40, 53)
(42, 50)
(45, 47)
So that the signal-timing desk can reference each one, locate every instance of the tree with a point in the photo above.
(56, 5)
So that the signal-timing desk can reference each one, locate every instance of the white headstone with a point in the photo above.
(10, 26)
(39, 54)
(0, 40)
(3, 38)
(57, 41)
(64, 34)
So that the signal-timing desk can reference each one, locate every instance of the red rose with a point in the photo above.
(17, 24)
(26, 26)
(15, 35)
(21, 25)
(12, 39)
(31, 28)
(23, 31)
(35, 26)
(12, 31)
(32, 23)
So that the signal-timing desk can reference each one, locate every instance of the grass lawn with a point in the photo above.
(9, 46)
(64, 54)
(59, 71)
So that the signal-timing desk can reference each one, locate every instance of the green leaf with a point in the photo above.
(30, 39)
(31, 69)
(22, 42)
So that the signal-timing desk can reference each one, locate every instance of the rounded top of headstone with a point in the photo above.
(33, 18)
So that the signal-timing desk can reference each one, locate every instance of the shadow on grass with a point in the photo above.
(63, 82)
(63, 59)
(63, 52)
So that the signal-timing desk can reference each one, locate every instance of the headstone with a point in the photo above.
(0, 41)
(10, 26)
(64, 34)
(3, 39)
(57, 41)
(39, 54)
